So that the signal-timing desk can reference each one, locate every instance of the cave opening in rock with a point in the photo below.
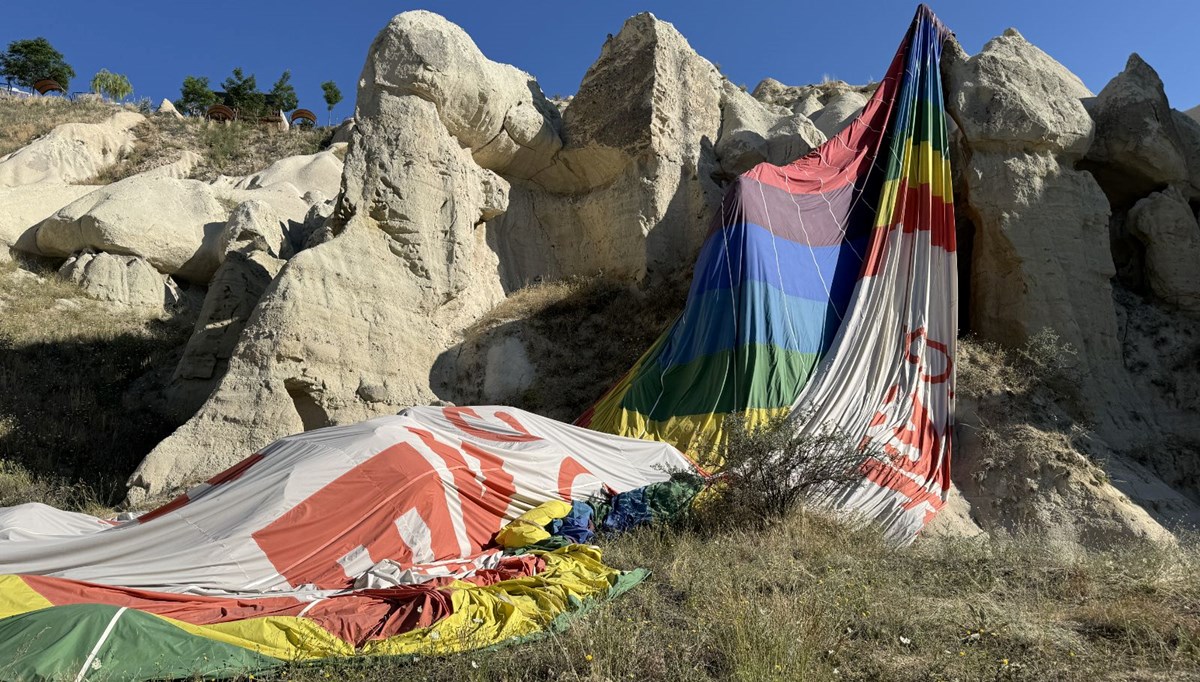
(312, 415)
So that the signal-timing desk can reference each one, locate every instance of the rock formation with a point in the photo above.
(1138, 142)
(1039, 222)
(172, 224)
(1166, 226)
(461, 183)
(127, 280)
(70, 153)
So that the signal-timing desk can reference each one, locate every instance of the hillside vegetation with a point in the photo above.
(225, 149)
(234, 149)
(809, 599)
(70, 432)
(23, 119)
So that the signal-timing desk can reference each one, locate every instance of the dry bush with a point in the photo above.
(769, 469)
(23, 119)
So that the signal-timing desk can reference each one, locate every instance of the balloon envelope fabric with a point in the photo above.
(375, 537)
(826, 293)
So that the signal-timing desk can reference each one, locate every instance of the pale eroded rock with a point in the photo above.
(71, 153)
(127, 280)
(1167, 228)
(172, 224)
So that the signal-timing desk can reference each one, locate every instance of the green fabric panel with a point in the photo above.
(667, 500)
(54, 644)
(706, 385)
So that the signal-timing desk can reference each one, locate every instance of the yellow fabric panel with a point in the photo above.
(284, 637)
(489, 615)
(929, 167)
(529, 527)
(289, 638)
(694, 434)
(16, 597)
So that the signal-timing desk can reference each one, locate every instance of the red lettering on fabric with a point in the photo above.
(483, 496)
(457, 417)
(360, 509)
(943, 349)
(231, 474)
(569, 470)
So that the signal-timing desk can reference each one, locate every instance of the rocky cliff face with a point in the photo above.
(336, 291)
(463, 183)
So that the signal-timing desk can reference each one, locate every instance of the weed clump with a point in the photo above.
(771, 469)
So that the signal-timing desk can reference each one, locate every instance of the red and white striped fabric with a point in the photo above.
(390, 500)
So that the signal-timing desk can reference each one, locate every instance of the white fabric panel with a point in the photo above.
(206, 543)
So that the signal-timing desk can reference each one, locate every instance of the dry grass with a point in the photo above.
(811, 600)
(233, 149)
(69, 433)
(22, 119)
(583, 333)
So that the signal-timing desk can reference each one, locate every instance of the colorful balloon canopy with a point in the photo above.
(826, 293)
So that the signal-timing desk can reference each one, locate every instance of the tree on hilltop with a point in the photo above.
(332, 97)
(114, 86)
(195, 96)
(283, 95)
(241, 93)
(29, 61)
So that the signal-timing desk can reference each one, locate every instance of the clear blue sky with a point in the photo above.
(157, 43)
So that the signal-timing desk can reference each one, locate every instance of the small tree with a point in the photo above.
(195, 96)
(332, 97)
(114, 86)
(29, 61)
(282, 94)
(771, 468)
(242, 94)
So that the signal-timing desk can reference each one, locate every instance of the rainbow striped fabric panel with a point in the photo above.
(813, 278)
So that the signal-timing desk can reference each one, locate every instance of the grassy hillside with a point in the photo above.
(22, 119)
(235, 149)
(69, 435)
(808, 599)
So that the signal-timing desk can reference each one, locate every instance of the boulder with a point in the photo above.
(1166, 226)
(127, 280)
(1137, 139)
(284, 198)
(839, 113)
(26, 206)
(254, 226)
(71, 153)
(342, 132)
(1012, 95)
(753, 132)
(166, 108)
(1189, 140)
(634, 187)
(172, 224)
(320, 172)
